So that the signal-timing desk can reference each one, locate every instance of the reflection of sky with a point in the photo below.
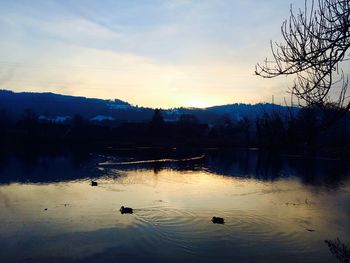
(172, 212)
(182, 52)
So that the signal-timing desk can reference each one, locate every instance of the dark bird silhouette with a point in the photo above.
(218, 220)
(126, 210)
(93, 183)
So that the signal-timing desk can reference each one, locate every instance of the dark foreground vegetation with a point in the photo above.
(305, 132)
(339, 250)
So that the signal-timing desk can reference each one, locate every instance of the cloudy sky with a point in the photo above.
(159, 53)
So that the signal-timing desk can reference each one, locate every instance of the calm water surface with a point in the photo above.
(276, 209)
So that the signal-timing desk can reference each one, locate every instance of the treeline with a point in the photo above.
(311, 130)
(307, 131)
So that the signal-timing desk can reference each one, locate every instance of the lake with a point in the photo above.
(277, 208)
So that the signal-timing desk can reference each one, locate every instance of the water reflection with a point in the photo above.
(274, 208)
(329, 173)
(28, 168)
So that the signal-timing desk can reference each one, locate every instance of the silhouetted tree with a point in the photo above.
(29, 116)
(224, 120)
(29, 121)
(157, 119)
(244, 127)
(5, 118)
(78, 121)
(293, 132)
(308, 123)
(271, 130)
(262, 130)
(188, 119)
(5, 122)
(157, 123)
(317, 40)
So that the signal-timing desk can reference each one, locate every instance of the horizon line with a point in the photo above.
(150, 107)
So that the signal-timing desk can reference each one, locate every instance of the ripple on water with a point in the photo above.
(194, 233)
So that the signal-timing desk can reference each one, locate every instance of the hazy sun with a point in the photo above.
(199, 103)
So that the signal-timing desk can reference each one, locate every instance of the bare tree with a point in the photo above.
(316, 42)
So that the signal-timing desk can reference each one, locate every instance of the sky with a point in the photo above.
(157, 53)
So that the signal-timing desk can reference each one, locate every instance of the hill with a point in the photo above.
(58, 107)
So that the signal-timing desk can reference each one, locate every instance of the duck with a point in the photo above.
(93, 183)
(218, 220)
(126, 210)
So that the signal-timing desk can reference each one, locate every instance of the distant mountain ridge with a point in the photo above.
(56, 106)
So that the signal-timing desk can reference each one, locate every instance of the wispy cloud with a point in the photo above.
(155, 53)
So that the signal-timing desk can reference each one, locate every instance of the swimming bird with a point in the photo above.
(93, 183)
(126, 210)
(218, 220)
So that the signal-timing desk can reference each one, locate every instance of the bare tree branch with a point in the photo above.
(316, 41)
